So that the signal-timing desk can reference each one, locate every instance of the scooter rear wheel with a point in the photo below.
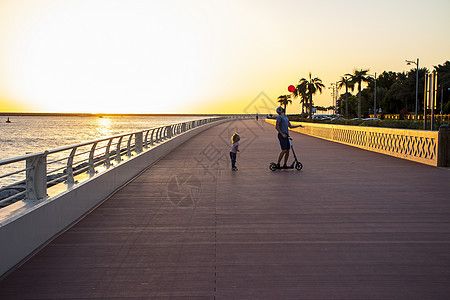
(298, 166)
(273, 166)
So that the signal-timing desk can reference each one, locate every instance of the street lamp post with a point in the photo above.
(333, 93)
(408, 62)
(336, 98)
(374, 95)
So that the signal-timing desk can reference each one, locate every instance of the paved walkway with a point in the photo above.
(351, 225)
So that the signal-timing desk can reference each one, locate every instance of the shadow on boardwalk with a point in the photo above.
(351, 225)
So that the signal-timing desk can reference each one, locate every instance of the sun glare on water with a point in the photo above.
(104, 126)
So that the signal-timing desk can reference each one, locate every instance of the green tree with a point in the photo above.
(284, 100)
(397, 91)
(358, 77)
(367, 101)
(345, 82)
(394, 100)
(386, 79)
(313, 85)
(444, 73)
(352, 105)
(302, 93)
(444, 84)
(384, 82)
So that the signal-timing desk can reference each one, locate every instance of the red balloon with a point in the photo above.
(291, 88)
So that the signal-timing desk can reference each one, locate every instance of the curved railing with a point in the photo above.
(73, 164)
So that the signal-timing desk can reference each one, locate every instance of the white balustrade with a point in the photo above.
(84, 158)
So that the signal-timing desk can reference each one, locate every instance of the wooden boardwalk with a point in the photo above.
(351, 225)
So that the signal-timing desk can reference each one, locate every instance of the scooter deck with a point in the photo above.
(296, 165)
(284, 167)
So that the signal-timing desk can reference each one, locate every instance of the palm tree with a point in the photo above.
(301, 92)
(358, 77)
(345, 81)
(312, 85)
(443, 72)
(284, 100)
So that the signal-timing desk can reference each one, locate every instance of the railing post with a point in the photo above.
(138, 141)
(159, 135)
(168, 131)
(91, 160)
(118, 150)
(443, 159)
(146, 139)
(69, 169)
(36, 177)
(151, 137)
(107, 155)
(156, 139)
(129, 146)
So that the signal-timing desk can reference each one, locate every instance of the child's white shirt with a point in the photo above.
(234, 147)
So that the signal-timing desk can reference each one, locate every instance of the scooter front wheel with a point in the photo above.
(298, 166)
(273, 166)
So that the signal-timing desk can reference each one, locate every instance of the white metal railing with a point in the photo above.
(42, 170)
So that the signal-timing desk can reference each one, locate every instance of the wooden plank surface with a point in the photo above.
(351, 225)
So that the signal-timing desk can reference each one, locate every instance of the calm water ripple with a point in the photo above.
(29, 134)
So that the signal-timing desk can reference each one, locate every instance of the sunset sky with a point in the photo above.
(202, 56)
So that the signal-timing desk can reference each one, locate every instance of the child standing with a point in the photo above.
(234, 150)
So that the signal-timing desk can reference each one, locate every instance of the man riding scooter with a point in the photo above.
(282, 126)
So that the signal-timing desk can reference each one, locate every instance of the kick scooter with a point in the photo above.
(295, 164)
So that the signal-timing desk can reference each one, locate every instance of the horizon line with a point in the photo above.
(116, 114)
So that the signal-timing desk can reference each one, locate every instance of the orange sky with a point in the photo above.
(202, 56)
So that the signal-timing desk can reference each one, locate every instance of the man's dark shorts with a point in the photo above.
(284, 142)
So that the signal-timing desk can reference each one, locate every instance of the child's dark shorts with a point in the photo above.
(284, 142)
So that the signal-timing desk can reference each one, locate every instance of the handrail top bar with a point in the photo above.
(64, 148)
(22, 157)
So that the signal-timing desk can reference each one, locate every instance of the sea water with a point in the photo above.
(30, 134)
